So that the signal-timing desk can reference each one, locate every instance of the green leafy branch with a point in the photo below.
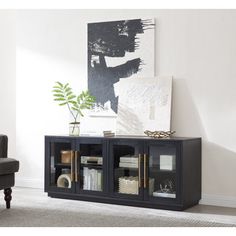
(64, 95)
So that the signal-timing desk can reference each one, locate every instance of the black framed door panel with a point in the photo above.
(163, 168)
(59, 165)
(91, 166)
(125, 169)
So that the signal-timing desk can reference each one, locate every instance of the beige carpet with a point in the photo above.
(32, 207)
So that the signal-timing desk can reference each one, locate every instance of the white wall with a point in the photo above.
(7, 78)
(197, 47)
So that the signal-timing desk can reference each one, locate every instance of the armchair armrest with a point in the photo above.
(3, 145)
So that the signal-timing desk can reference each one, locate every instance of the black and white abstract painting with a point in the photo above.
(118, 50)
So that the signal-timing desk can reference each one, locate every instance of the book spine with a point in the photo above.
(94, 179)
(121, 164)
(99, 181)
(131, 162)
(90, 179)
(128, 159)
(85, 178)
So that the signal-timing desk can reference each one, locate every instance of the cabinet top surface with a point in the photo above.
(172, 138)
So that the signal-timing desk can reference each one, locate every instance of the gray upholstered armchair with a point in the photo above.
(8, 167)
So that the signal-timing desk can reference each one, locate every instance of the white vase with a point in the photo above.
(74, 128)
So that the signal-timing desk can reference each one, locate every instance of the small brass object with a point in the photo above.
(72, 165)
(139, 170)
(66, 156)
(76, 166)
(145, 171)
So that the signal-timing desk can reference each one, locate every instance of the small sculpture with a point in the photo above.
(167, 186)
(159, 134)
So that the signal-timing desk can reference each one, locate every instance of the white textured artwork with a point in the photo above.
(144, 104)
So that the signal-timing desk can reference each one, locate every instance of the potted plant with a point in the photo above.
(64, 95)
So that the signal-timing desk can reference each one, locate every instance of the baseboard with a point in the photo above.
(207, 199)
(218, 200)
(29, 183)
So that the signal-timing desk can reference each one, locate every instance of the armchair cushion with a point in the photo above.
(8, 166)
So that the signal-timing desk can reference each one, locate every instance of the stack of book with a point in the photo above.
(108, 133)
(92, 179)
(129, 162)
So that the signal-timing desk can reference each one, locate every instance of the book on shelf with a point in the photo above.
(128, 161)
(125, 160)
(92, 179)
(99, 180)
(129, 165)
(108, 133)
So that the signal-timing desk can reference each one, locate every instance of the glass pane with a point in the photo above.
(60, 165)
(91, 167)
(162, 171)
(126, 169)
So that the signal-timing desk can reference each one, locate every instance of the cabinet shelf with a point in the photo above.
(94, 166)
(63, 165)
(126, 168)
(157, 170)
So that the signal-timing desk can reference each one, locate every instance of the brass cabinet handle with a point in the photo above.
(72, 165)
(145, 170)
(76, 166)
(139, 170)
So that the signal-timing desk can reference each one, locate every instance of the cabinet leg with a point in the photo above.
(8, 197)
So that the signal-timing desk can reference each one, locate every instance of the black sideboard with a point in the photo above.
(135, 171)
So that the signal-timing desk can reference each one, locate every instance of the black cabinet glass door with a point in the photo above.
(160, 167)
(125, 168)
(60, 165)
(90, 166)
